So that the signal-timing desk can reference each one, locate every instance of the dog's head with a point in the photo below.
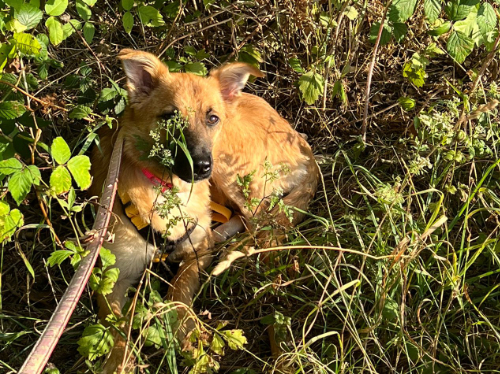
(155, 93)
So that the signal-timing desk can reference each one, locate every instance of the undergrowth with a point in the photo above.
(396, 268)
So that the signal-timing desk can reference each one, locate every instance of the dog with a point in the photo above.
(230, 135)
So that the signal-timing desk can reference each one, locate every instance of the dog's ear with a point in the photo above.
(233, 77)
(143, 71)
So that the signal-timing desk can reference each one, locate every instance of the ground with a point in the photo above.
(396, 268)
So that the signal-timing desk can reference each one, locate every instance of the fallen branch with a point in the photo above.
(45, 345)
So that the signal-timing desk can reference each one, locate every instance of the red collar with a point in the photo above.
(157, 181)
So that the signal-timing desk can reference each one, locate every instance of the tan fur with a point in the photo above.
(249, 133)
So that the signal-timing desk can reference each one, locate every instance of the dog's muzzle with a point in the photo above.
(202, 168)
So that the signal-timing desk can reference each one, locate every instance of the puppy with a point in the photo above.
(229, 134)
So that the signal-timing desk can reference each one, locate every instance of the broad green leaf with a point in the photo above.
(107, 94)
(486, 18)
(150, 16)
(432, 9)
(250, 55)
(16, 4)
(441, 29)
(385, 38)
(27, 44)
(10, 166)
(415, 74)
(197, 68)
(401, 10)
(57, 257)
(29, 16)
(153, 337)
(88, 32)
(432, 50)
(217, 345)
(107, 257)
(10, 220)
(235, 338)
(79, 112)
(60, 150)
(128, 22)
(79, 167)
(457, 10)
(311, 86)
(60, 180)
(5, 50)
(20, 184)
(120, 106)
(56, 7)
(459, 46)
(296, 65)
(34, 174)
(467, 25)
(96, 341)
(351, 13)
(56, 33)
(127, 4)
(399, 30)
(407, 103)
(173, 66)
(11, 109)
(83, 10)
(90, 3)
(70, 27)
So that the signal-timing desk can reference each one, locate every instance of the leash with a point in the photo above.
(45, 345)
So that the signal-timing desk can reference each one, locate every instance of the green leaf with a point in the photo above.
(457, 10)
(96, 341)
(56, 33)
(10, 220)
(20, 184)
(79, 167)
(27, 44)
(250, 55)
(34, 174)
(83, 10)
(197, 68)
(235, 339)
(415, 74)
(11, 109)
(486, 18)
(150, 16)
(432, 50)
(10, 166)
(351, 13)
(70, 27)
(128, 22)
(29, 16)
(127, 4)
(296, 65)
(58, 257)
(459, 46)
(407, 103)
(56, 7)
(107, 257)
(217, 345)
(88, 32)
(16, 4)
(385, 38)
(90, 3)
(400, 30)
(432, 9)
(107, 94)
(60, 150)
(153, 337)
(79, 112)
(60, 180)
(311, 85)
(401, 10)
(441, 29)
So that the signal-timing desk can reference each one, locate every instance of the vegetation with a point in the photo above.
(397, 267)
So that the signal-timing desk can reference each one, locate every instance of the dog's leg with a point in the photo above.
(132, 254)
(230, 228)
(184, 286)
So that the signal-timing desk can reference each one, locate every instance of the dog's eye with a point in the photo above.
(212, 120)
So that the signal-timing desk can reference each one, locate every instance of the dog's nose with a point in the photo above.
(203, 167)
